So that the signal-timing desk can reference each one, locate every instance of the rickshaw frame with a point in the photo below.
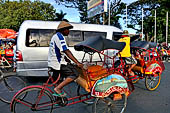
(87, 46)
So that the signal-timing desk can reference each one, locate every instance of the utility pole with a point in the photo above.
(142, 25)
(126, 16)
(167, 28)
(109, 14)
(155, 26)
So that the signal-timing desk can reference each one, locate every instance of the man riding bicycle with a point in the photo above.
(58, 51)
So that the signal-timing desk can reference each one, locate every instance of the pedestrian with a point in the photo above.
(14, 57)
(57, 56)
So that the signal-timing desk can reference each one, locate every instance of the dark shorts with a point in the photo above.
(130, 60)
(65, 71)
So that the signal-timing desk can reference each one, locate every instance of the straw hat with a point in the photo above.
(125, 32)
(64, 25)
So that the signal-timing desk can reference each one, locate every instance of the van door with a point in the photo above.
(35, 52)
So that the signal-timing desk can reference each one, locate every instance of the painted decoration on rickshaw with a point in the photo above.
(153, 68)
(9, 52)
(2, 52)
(105, 86)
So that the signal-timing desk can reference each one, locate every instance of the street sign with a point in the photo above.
(96, 7)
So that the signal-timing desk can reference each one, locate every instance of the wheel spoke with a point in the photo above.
(32, 102)
(152, 82)
(107, 105)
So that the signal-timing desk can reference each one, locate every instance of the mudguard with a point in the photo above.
(107, 85)
(153, 69)
(25, 88)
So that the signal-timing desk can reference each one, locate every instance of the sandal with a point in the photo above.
(57, 105)
(62, 94)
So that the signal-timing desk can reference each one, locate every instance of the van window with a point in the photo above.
(116, 36)
(42, 37)
(90, 34)
(39, 37)
(76, 37)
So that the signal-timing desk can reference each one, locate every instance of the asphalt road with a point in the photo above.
(140, 101)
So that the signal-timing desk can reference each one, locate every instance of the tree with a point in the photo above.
(81, 5)
(13, 13)
(149, 7)
(60, 16)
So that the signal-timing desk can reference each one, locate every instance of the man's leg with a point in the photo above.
(130, 69)
(62, 84)
(68, 72)
(133, 64)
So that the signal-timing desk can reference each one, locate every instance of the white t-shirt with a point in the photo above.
(56, 48)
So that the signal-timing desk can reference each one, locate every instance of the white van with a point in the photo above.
(34, 38)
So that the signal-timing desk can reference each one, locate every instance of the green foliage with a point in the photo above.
(117, 9)
(149, 7)
(60, 16)
(13, 13)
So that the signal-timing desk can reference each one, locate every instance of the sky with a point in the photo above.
(73, 15)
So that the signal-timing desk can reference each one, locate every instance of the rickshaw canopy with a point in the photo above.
(8, 33)
(99, 44)
(143, 44)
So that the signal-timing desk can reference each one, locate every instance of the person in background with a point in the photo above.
(57, 57)
(14, 57)
(125, 53)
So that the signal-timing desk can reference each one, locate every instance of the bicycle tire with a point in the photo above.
(108, 105)
(9, 85)
(81, 91)
(29, 100)
(152, 82)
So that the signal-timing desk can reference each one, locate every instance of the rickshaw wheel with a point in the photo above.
(81, 91)
(108, 105)
(152, 82)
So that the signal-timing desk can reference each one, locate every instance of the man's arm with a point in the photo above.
(70, 55)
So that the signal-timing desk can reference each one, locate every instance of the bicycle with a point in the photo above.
(44, 100)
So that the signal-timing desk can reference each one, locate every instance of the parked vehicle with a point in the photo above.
(34, 38)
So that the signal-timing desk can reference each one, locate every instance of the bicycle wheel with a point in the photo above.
(9, 85)
(152, 82)
(108, 105)
(27, 104)
(82, 91)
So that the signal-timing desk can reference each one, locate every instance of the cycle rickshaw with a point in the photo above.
(99, 83)
(9, 83)
(149, 66)
(6, 52)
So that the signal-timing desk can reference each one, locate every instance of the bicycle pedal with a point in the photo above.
(62, 101)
